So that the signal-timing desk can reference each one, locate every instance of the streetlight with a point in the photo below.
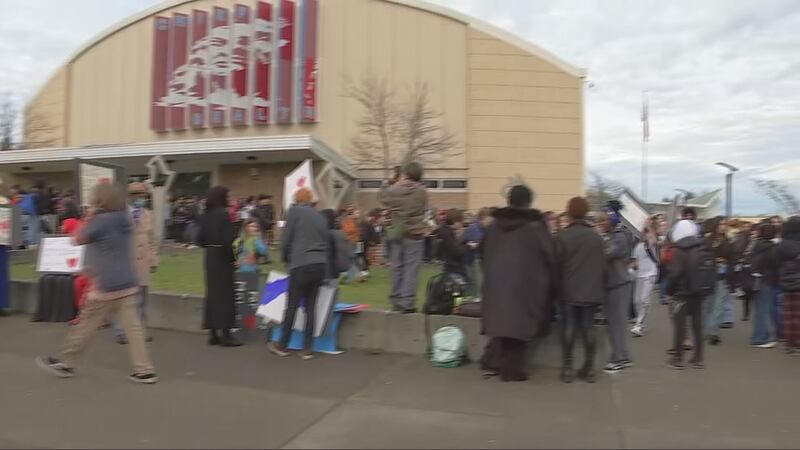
(728, 187)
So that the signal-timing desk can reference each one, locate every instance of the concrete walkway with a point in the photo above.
(245, 398)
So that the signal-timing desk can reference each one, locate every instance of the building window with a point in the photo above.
(454, 184)
(431, 184)
(370, 184)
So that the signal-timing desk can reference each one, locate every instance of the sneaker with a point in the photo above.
(122, 340)
(55, 367)
(637, 332)
(363, 274)
(672, 352)
(714, 340)
(588, 375)
(612, 368)
(306, 355)
(277, 349)
(625, 363)
(567, 376)
(675, 363)
(144, 378)
(770, 344)
(727, 325)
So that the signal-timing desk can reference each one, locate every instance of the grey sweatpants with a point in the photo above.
(405, 261)
(617, 307)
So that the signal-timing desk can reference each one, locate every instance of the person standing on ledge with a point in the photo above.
(406, 198)
(107, 234)
(518, 267)
(216, 238)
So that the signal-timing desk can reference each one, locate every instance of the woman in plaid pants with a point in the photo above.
(789, 263)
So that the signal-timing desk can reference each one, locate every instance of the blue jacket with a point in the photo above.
(473, 233)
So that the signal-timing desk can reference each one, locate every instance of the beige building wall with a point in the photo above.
(525, 118)
(46, 119)
(109, 89)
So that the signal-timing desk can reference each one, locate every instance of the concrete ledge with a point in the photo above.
(371, 330)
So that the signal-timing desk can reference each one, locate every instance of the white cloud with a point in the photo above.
(722, 76)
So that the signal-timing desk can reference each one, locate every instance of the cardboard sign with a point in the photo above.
(10, 226)
(274, 298)
(247, 294)
(59, 255)
(301, 177)
(92, 175)
(633, 213)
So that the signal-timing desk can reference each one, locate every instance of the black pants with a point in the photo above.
(506, 357)
(578, 319)
(681, 309)
(180, 232)
(304, 283)
(748, 299)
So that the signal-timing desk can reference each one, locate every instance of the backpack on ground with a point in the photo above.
(702, 271)
(343, 257)
(448, 347)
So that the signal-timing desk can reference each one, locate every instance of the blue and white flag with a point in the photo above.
(273, 301)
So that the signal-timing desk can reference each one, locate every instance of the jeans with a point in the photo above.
(34, 223)
(642, 297)
(92, 315)
(141, 305)
(474, 279)
(768, 316)
(713, 308)
(578, 319)
(617, 308)
(681, 309)
(405, 263)
(727, 307)
(304, 284)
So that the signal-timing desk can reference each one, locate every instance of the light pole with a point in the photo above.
(728, 187)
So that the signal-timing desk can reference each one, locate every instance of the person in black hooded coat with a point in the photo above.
(518, 266)
(216, 238)
(789, 279)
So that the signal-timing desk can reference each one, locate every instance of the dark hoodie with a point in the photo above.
(764, 261)
(789, 256)
(519, 271)
(678, 278)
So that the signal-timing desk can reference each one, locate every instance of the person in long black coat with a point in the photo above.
(216, 238)
(519, 267)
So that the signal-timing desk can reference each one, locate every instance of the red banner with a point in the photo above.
(308, 111)
(219, 63)
(158, 111)
(240, 62)
(197, 61)
(285, 61)
(263, 51)
(178, 76)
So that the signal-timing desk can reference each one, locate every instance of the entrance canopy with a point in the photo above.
(333, 181)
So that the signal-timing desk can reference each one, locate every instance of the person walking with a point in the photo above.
(305, 244)
(789, 278)
(685, 299)
(216, 239)
(717, 241)
(518, 266)
(581, 285)
(618, 243)
(145, 254)
(407, 199)
(108, 232)
(765, 270)
(646, 256)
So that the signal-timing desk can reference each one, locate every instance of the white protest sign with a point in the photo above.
(60, 255)
(6, 226)
(92, 175)
(301, 177)
(633, 211)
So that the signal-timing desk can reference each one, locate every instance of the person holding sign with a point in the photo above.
(107, 233)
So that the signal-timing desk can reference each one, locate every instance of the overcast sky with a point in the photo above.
(723, 77)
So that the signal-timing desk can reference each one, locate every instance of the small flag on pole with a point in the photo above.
(645, 118)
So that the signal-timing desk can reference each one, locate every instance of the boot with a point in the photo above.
(213, 338)
(567, 375)
(228, 340)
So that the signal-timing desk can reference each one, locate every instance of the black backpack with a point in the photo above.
(440, 295)
(702, 271)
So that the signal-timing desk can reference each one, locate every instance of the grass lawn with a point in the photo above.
(181, 272)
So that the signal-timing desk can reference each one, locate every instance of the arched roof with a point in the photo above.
(416, 4)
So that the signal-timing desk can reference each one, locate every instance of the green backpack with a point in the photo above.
(448, 347)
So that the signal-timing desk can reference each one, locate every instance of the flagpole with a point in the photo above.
(645, 138)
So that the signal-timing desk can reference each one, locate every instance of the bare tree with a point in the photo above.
(421, 130)
(39, 131)
(601, 190)
(8, 122)
(779, 193)
(373, 144)
(394, 131)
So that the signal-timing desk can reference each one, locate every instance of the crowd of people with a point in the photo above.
(528, 269)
